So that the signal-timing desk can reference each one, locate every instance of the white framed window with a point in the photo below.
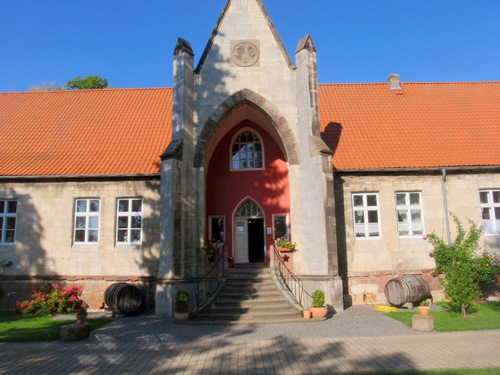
(217, 229)
(87, 214)
(129, 220)
(8, 221)
(281, 227)
(247, 151)
(490, 210)
(366, 213)
(410, 213)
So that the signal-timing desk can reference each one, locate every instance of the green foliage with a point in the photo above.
(182, 301)
(89, 82)
(424, 303)
(51, 86)
(470, 271)
(50, 299)
(285, 243)
(81, 311)
(23, 328)
(318, 298)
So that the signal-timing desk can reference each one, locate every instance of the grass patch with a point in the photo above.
(482, 316)
(485, 371)
(20, 328)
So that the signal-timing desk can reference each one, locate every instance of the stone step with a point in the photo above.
(249, 322)
(257, 315)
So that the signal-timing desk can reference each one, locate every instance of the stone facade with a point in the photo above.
(368, 263)
(45, 251)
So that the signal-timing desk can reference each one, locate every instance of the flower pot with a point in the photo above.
(284, 249)
(307, 314)
(81, 319)
(319, 312)
(181, 315)
(424, 310)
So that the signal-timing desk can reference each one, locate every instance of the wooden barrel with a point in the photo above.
(406, 289)
(123, 297)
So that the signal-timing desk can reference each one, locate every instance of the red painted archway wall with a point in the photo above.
(225, 189)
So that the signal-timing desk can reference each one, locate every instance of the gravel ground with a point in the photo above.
(356, 321)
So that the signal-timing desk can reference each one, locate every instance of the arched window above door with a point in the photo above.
(247, 151)
(249, 209)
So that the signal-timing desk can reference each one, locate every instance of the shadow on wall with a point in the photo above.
(30, 265)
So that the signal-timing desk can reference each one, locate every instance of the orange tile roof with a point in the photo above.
(84, 132)
(423, 125)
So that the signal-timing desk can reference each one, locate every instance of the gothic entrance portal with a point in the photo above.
(249, 238)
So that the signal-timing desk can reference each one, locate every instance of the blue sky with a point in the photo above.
(131, 42)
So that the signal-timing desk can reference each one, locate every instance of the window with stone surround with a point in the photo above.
(87, 213)
(490, 210)
(281, 227)
(410, 214)
(366, 213)
(8, 221)
(129, 220)
(247, 151)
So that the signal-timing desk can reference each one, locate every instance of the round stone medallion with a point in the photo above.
(245, 54)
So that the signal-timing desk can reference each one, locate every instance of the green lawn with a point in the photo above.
(482, 316)
(486, 371)
(19, 328)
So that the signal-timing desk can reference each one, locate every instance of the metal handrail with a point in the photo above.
(209, 286)
(290, 282)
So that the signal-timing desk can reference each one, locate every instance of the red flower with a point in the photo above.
(74, 298)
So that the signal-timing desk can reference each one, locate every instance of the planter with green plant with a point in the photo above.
(424, 308)
(81, 316)
(318, 309)
(181, 305)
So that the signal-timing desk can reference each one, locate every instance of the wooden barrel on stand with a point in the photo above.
(404, 289)
(123, 297)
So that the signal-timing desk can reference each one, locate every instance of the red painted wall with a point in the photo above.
(225, 189)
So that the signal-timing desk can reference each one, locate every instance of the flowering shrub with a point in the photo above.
(470, 271)
(285, 243)
(50, 299)
(208, 247)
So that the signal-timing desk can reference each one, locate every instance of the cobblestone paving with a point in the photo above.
(357, 340)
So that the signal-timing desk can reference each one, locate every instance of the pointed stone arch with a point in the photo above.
(251, 98)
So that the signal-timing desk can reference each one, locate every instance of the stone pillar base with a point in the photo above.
(423, 323)
(75, 332)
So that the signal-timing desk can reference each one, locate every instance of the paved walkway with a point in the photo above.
(356, 340)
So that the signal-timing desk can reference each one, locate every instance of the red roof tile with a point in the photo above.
(84, 132)
(423, 125)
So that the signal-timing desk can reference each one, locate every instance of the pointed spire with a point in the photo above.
(183, 46)
(306, 43)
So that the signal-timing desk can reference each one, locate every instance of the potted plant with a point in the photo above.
(81, 316)
(285, 245)
(181, 305)
(307, 313)
(318, 309)
(424, 308)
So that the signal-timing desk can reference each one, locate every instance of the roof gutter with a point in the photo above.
(81, 176)
(445, 203)
(427, 169)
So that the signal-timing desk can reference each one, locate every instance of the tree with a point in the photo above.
(51, 86)
(89, 82)
(470, 271)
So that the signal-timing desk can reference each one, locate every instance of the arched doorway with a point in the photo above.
(249, 237)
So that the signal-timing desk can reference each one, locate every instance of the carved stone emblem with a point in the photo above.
(245, 54)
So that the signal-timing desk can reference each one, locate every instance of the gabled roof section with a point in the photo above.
(421, 125)
(84, 132)
(217, 27)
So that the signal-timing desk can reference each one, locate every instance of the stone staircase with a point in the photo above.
(250, 296)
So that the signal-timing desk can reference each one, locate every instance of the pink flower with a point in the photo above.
(73, 297)
(43, 299)
(431, 252)
(480, 248)
(424, 237)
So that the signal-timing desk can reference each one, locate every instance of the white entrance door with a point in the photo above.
(241, 241)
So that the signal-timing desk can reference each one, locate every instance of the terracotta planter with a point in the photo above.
(181, 315)
(319, 312)
(284, 249)
(81, 319)
(307, 314)
(424, 310)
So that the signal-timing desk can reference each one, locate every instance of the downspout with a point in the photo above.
(445, 202)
